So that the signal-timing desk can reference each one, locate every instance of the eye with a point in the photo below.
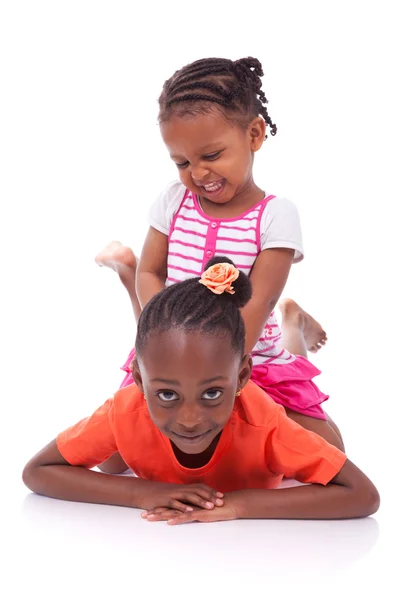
(213, 156)
(167, 396)
(182, 165)
(212, 395)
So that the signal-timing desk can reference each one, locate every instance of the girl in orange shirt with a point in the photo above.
(205, 443)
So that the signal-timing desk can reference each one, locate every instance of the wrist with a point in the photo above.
(241, 503)
(141, 493)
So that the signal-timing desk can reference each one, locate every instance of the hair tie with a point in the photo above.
(219, 278)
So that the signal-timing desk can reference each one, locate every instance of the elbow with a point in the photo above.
(29, 476)
(369, 499)
(374, 501)
(32, 475)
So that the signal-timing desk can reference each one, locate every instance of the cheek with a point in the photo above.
(238, 166)
(223, 412)
(183, 175)
(159, 416)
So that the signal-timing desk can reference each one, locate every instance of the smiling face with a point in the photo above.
(190, 381)
(214, 155)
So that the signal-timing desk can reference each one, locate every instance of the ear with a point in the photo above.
(246, 367)
(257, 133)
(135, 371)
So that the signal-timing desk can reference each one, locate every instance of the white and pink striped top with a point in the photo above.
(194, 237)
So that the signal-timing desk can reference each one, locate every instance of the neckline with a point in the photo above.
(198, 207)
(223, 443)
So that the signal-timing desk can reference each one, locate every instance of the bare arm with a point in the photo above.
(350, 494)
(152, 267)
(49, 474)
(268, 278)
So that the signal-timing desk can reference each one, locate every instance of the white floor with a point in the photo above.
(61, 549)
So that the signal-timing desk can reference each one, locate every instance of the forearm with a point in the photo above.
(255, 315)
(78, 484)
(148, 285)
(306, 502)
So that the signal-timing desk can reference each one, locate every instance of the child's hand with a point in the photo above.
(181, 498)
(229, 511)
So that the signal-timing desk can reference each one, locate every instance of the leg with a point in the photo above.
(336, 430)
(113, 465)
(124, 262)
(302, 333)
(326, 429)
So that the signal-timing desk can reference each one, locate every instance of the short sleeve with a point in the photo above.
(91, 441)
(163, 210)
(300, 454)
(280, 227)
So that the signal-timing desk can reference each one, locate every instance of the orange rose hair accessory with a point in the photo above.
(219, 278)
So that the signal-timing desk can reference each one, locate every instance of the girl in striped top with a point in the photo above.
(213, 118)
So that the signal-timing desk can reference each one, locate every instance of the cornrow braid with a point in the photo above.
(190, 306)
(236, 86)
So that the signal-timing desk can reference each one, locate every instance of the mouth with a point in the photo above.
(214, 188)
(192, 439)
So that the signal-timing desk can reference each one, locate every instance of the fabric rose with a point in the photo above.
(219, 278)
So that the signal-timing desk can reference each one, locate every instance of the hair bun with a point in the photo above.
(241, 286)
(250, 63)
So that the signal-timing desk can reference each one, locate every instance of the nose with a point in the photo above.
(189, 417)
(198, 174)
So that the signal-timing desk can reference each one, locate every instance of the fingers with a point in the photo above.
(161, 514)
(207, 501)
(174, 517)
(176, 505)
(201, 496)
(206, 488)
(203, 516)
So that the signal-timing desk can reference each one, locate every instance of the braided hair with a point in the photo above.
(192, 307)
(235, 86)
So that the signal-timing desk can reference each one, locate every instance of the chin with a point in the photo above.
(194, 446)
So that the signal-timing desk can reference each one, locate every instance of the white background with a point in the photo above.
(81, 161)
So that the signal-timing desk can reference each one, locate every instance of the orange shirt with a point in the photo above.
(258, 446)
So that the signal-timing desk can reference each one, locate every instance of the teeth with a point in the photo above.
(213, 187)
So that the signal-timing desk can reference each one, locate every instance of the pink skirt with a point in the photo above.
(290, 385)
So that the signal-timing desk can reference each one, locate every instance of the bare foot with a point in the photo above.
(315, 337)
(121, 259)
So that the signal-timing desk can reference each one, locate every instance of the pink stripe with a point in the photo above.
(174, 280)
(183, 270)
(243, 266)
(272, 337)
(188, 245)
(220, 251)
(239, 228)
(275, 357)
(188, 207)
(265, 350)
(226, 239)
(186, 257)
(176, 215)
(249, 218)
(189, 231)
(193, 220)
